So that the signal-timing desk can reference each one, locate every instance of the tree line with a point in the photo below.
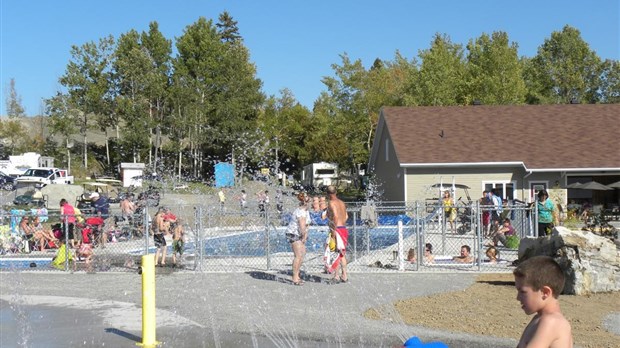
(182, 113)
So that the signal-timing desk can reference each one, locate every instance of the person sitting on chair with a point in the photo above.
(502, 233)
(26, 230)
(43, 237)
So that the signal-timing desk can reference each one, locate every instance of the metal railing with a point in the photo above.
(382, 238)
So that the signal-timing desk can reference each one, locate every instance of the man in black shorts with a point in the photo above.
(159, 231)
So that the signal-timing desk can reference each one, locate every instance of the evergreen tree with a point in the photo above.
(227, 28)
(14, 108)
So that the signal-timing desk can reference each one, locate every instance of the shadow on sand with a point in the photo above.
(498, 282)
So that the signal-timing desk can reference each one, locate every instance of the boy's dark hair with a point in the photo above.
(540, 271)
(467, 247)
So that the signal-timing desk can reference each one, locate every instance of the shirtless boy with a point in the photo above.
(178, 241)
(160, 230)
(539, 282)
(337, 216)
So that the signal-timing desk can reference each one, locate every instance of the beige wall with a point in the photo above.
(419, 181)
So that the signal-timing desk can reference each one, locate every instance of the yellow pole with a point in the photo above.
(148, 302)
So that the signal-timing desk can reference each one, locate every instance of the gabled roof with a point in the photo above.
(567, 136)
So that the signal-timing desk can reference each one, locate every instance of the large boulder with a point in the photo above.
(590, 262)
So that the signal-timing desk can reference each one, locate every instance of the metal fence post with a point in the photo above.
(418, 235)
(442, 221)
(476, 216)
(67, 252)
(199, 240)
(147, 228)
(355, 235)
(401, 260)
(268, 240)
(367, 238)
(535, 218)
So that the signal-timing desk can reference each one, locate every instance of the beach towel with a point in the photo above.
(59, 259)
(335, 248)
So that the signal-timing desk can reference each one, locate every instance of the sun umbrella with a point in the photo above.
(614, 185)
(593, 185)
(574, 185)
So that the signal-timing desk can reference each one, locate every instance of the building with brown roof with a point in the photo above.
(515, 149)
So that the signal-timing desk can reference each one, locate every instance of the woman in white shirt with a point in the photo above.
(297, 234)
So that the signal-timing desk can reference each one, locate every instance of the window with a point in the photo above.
(387, 150)
(504, 189)
(535, 187)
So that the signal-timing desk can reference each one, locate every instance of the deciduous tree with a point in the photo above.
(442, 73)
(565, 69)
(494, 72)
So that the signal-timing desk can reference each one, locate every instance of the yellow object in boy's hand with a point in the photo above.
(332, 242)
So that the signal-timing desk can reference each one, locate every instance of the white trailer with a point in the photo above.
(319, 174)
(17, 165)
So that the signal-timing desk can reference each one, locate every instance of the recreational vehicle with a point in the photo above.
(319, 174)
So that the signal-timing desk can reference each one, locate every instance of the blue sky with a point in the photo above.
(292, 43)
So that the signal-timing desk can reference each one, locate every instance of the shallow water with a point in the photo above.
(63, 327)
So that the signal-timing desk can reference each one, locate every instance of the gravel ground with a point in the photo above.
(492, 309)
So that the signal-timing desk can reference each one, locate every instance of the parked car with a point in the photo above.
(46, 176)
(7, 182)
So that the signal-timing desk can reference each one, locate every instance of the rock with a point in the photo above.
(591, 263)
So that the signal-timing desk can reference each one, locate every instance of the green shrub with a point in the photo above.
(512, 242)
(573, 223)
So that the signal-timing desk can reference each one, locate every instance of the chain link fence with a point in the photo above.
(383, 237)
